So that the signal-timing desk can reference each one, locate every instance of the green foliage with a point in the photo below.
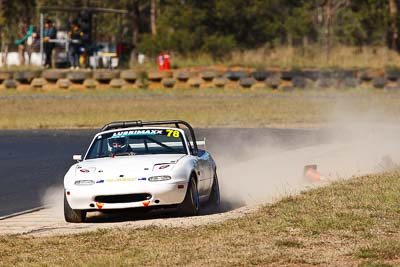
(218, 46)
(187, 27)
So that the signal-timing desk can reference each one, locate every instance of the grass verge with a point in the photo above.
(203, 108)
(354, 222)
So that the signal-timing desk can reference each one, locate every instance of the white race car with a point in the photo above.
(136, 164)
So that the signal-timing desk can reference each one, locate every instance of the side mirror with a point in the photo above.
(77, 157)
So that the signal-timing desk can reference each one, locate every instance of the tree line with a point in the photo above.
(217, 27)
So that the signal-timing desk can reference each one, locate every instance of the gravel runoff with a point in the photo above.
(50, 221)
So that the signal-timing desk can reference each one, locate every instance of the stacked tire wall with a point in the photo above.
(206, 78)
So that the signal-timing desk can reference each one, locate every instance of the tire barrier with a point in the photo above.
(260, 75)
(105, 76)
(379, 82)
(26, 77)
(299, 82)
(129, 76)
(5, 75)
(235, 75)
(168, 82)
(117, 83)
(388, 80)
(157, 76)
(182, 76)
(90, 83)
(324, 83)
(78, 77)
(273, 82)
(220, 82)
(195, 82)
(288, 75)
(63, 83)
(10, 84)
(351, 82)
(247, 82)
(52, 76)
(208, 75)
(38, 83)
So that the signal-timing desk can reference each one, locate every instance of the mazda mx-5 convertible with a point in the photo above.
(135, 164)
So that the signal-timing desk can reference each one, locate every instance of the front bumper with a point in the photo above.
(158, 193)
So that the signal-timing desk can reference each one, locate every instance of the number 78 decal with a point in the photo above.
(173, 133)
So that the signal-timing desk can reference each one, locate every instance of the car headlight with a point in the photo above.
(159, 178)
(84, 182)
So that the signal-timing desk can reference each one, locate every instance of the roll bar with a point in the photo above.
(139, 123)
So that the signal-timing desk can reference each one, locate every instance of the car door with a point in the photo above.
(205, 177)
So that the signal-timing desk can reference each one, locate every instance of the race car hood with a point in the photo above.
(124, 166)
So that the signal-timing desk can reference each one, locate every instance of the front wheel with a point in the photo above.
(73, 216)
(191, 204)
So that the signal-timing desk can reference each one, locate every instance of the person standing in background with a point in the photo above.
(49, 33)
(75, 36)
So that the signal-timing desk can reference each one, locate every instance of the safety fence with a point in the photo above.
(206, 78)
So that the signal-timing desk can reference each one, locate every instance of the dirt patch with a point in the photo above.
(49, 221)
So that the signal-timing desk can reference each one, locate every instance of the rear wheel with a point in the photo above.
(191, 204)
(73, 216)
(215, 199)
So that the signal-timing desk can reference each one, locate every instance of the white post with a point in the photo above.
(41, 39)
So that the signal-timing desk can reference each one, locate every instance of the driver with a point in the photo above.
(118, 145)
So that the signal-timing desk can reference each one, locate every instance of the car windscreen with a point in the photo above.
(137, 142)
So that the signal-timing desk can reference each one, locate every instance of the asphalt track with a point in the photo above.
(33, 160)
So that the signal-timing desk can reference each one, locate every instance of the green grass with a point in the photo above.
(209, 107)
(348, 223)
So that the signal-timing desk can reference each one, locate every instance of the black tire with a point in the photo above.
(273, 82)
(220, 82)
(73, 216)
(105, 76)
(182, 76)
(53, 75)
(79, 76)
(366, 76)
(350, 82)
(287, 75)
(260, 75)
(168, 82)
(215, 197)
(208, 75)
(25, 77)
(191, 204)
(299, 82)
(379, 82)
(393, 75)
(235, 75)
(247, 82)
(10, 84)
(129, 75)
(311, 74)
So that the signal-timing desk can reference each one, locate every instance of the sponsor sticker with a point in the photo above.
(99, 181)
(84, 170)
(99, 205)
(121, 180)
(146, 203)
(137, 132)
(142, 179)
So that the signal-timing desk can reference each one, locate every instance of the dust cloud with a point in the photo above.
(255, 169)
(266, 169)
(53, 199)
